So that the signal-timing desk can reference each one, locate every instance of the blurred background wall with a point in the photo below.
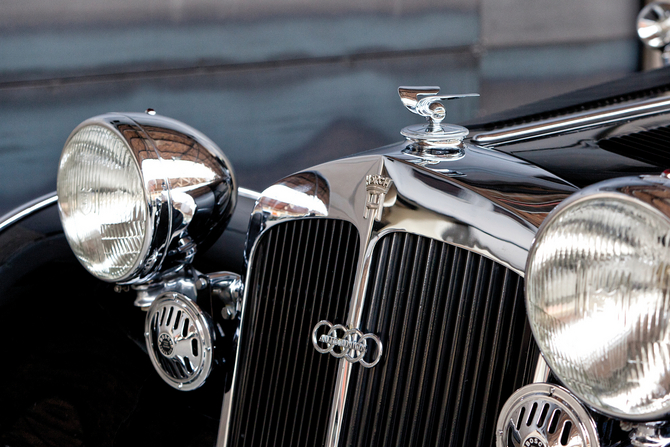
(284, 84)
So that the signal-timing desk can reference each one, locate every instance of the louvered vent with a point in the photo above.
(302, 272)
(456, 346)
(648, 146)
(585, 100)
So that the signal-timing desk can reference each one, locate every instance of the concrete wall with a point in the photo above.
(284, 84)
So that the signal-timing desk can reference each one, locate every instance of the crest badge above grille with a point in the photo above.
(179, 340)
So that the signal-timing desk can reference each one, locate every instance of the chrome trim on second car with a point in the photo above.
(26, 210)
(576, 121)
(352, 341)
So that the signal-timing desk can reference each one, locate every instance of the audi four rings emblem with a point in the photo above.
(352, 344)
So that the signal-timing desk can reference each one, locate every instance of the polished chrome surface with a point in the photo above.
(26, 210)
(424, 101)
(179, 340)
(545, 415)
(189, 185)
(653, 24)
(182, 282)
(485, 201)
(353, 343)
(576, 121)
(248, 193)
(650, 190)
(648, 434)
(228, 289)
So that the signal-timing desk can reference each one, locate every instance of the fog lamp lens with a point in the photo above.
(102, 203)
(597, 296)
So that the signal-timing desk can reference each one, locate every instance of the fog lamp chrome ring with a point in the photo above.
(545, 415)
(180, 340)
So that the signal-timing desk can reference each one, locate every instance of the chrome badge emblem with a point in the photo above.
(376, 186)
(351, 345)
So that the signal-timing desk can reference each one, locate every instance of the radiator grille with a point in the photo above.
(302, 272)
(456, 345)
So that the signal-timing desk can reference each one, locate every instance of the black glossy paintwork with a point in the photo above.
(577, 158)
(635, 86)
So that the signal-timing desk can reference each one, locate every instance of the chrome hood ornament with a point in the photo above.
(424, 101)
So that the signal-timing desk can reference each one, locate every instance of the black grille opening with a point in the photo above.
(456, 346)
(302, 272)
(648, 146)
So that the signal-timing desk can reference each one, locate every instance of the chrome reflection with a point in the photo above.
(303, 194)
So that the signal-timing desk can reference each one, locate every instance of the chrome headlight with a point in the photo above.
(598, 296)
(138, 193)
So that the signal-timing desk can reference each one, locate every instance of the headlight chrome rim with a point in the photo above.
(655, 190)
(173, 203)
(149, 206)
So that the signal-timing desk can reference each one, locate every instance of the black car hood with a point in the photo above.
(600, 152)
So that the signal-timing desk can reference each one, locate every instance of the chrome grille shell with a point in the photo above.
(486, 203)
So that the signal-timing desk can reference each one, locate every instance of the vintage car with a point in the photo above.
(506, 281)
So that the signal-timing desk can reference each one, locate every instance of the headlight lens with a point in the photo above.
(597, 278)
(102, 203)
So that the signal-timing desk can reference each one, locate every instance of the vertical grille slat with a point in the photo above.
(456, 345)
(304, 281)
(302, 272)
(280, 294)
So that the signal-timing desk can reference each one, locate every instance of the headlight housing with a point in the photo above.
(138, 193)
(598, 296)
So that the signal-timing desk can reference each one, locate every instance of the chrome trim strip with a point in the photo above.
(575, 121)
(24, 211)
(248, 193)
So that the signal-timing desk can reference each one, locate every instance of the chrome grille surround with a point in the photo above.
(463, 202)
